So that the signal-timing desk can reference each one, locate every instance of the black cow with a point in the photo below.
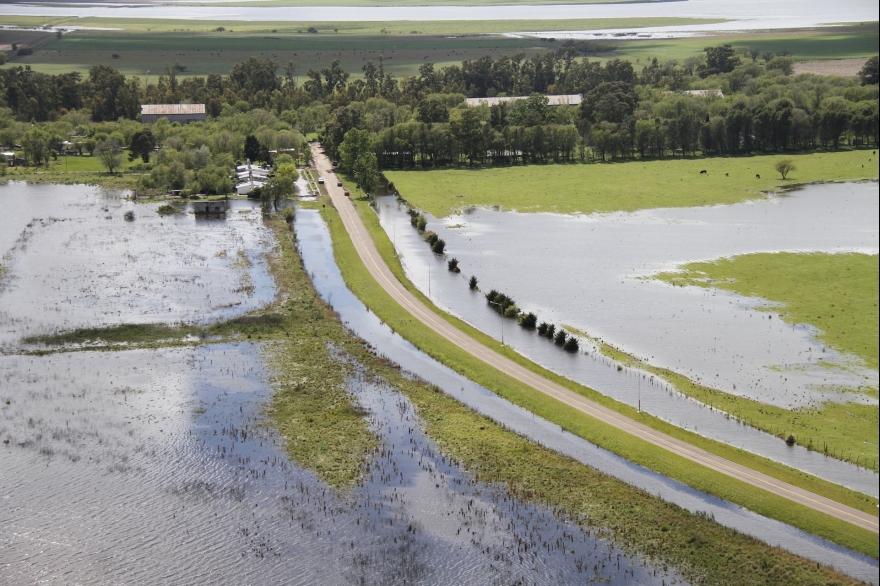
(703, 172)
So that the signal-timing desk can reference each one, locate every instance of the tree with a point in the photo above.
(870, 73)
(785, 166)
(753, 53)
(252, 149)
(35, 143)
(355, 145)
(722, 59)
(141, 145)
(110, 154)
(279, 187)
(431, 111)
(783, 64)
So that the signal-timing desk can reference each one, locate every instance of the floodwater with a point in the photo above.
(743, 14)
(316, 249)
(74, 261)
(157, 466)
(590, 272)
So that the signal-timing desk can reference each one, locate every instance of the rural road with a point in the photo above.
(379, 270)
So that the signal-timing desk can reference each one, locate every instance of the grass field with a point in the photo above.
(627, 446)
(626, 186)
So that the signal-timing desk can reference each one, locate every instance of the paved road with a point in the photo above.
(376, 266)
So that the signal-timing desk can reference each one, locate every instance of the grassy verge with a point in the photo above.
(634, 449)
(842, 431)
(626, 186)
(85, 170)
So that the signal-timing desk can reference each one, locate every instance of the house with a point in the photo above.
(210, 207)
(711, 93)
(183, 113)
(560, 100)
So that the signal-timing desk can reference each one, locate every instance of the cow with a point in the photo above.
(727, 174)
(703, 172)
(757, 176)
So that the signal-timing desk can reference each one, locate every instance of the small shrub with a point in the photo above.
(312, 30)
(128, 216)
(438, 246)
(422, 223)
(289, 214)
(528, 320)
(571, 345)
(166, 209)
(114, 56)
(542, 329)
(452, 265)
(551, 329)
(790, 440)
(560, 337)
(431, 237)
(473, 283)
(25, 51)
(511, 311)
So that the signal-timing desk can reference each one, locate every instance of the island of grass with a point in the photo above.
(624, 186)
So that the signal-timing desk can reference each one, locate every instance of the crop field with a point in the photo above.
(627, 186)
(144, 45)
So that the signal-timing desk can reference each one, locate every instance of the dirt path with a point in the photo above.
(379, 270)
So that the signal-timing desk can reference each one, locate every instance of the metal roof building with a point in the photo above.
(182, 113)
(558, 100)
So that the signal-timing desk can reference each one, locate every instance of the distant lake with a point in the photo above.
(744, 14)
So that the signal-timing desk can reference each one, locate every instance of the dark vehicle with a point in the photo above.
(339, 184)
(347, 193)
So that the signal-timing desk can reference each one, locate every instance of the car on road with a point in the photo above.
(339, 184)
(320, 181)
(346, 193)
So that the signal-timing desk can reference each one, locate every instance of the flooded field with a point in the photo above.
(593, 273)
(75, 261)
(157, 465)
(316, 250)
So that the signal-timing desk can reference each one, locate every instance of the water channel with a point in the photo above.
(592, 273)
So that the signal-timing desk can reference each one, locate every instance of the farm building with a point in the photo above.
(210, 207)
(560, 100)
(183, 113)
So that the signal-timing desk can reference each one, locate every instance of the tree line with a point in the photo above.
(752, 103)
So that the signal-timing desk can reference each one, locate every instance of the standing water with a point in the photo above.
(593, 273)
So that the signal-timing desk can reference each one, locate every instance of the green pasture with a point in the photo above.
(836, 293)
(845, 42)
(624, 186)
(362, 284)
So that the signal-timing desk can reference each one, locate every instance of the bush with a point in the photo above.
(438, 246)
(551, 329)
(790, 440)
(511, 311)
(571, 345)
(312, 30)
(542, 329)
(289, 214)
(472, 283)
(25, 51)
(431, 237)
(422, 223)
(528, 320)
(166, 209)
(452, 265)
(491, 295)
(128, 216)
(560, 337)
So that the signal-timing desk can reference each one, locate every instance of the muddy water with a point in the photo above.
(592, 272)
(73, 261)
(316, 249)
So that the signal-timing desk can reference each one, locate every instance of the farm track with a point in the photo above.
(371, 258)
